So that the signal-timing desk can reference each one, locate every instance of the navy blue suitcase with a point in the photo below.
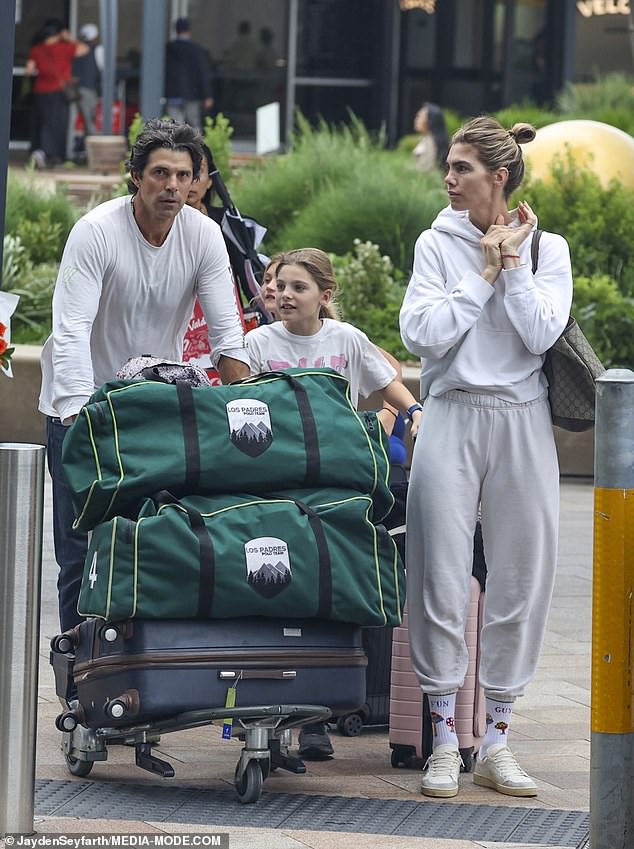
(143, 670)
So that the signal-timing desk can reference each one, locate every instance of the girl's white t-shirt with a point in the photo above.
(336, 345)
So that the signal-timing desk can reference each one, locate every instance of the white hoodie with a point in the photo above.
(475, 336)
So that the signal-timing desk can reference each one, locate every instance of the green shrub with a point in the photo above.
(597, 222)
(31, 322)
(609, 99)
(14, 261)
(609, 91)
(29, 206)
(40, 238)
(276, 190)
(371, 294)
(381, 200)
(607, 319)
(217, 134)
(526, 113)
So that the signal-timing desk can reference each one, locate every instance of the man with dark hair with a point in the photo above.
(187, 77)
(131, 270)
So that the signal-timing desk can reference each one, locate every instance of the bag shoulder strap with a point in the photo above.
(535, 249)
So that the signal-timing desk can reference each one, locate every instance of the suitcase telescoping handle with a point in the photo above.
(278, 674)
(309, 426)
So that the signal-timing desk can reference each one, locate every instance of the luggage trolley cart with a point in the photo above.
(121, 694)
(266, 733)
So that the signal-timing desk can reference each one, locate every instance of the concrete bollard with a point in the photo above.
(612, 715)
(21, 517)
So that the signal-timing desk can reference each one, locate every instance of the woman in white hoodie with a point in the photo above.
(481, 321)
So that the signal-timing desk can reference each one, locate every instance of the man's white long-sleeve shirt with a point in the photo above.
(117, 296)
(476, 336)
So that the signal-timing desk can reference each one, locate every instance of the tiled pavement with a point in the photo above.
(550, 734)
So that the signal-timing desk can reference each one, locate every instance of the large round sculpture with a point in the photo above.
(601, 148)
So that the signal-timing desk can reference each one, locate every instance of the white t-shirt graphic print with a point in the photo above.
(337, 345)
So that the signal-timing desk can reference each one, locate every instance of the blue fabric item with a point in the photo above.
(398, 451)
(399, 427)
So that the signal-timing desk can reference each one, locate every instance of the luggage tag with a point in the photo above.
(230, 702)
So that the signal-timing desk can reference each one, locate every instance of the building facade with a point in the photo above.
(377, 58)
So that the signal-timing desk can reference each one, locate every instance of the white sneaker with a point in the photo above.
(501, 771)
(440, 773)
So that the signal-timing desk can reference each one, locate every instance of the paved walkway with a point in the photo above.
(357, 800)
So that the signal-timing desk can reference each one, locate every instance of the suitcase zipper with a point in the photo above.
(248, 660)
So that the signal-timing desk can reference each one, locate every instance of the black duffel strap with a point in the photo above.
(190, 436)
(207, 575)
(309, 426)
(324, 607)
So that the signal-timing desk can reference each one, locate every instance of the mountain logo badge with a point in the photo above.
(268, 565)
(250, 425)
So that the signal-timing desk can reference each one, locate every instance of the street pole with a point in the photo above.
(21, 512)
(108, 17)
(612, 714)
(7, 48)
(153, 40)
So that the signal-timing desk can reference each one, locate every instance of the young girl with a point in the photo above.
(268, 290)
(309, 334)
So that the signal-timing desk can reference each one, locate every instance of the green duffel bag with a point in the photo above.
(272, 432)
(307, 554)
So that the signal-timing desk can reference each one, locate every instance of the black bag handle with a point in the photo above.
(207, 575)
(309, 426)
(324, 606)
(185, 395)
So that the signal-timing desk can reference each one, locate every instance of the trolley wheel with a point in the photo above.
(350, 725)
(249, 787)
(77, 767)
(62, 644)
(66, 722)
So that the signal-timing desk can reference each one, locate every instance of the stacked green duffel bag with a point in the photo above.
(262, 498)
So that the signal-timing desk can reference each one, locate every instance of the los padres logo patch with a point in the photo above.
(268, 565)
(250, 425)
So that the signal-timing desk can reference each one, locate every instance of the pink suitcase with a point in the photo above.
(410, 723)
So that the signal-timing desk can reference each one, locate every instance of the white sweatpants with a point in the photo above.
(471, 450)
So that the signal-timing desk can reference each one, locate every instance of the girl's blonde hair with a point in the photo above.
(318, 265)
(497, 147)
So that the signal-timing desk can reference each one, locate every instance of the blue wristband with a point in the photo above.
(413, 409)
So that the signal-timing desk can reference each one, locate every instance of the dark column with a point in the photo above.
(153, 59)
(7, 46)
(108, 13)
(388, 72)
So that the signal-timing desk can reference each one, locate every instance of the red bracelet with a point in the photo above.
(510, 256)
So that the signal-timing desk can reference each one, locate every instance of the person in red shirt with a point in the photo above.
(50, 62)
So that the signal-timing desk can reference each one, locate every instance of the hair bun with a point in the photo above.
(523, 133)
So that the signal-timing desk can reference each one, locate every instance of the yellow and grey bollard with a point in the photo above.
(612, 746)
(21, 512)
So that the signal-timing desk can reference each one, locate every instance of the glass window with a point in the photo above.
(420, 40)
(468, 34)
(338, 39)
(528, 52)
